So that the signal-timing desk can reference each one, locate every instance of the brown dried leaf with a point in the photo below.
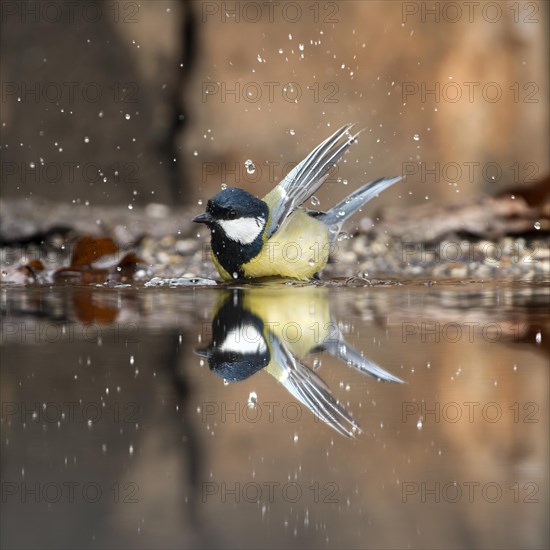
(35, 265)
(89, 249)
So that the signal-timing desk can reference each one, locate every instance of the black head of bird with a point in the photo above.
(237, 221)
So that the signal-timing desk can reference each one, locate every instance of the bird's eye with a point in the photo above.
(232, 214)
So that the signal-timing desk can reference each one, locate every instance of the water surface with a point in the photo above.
(385, 416)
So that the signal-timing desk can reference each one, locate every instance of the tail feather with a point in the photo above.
(337, 215)
(343, 351)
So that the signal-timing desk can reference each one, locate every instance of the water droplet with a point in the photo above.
(250, 166)
(130, 207)
(252, 399)
(86, 139)
(419, 424)
(342, 236)
(199, 202)
(416, 137)
(315, 201)
(538, 338)
(131, 450)
(301, 47)
(292, 132)
(536, 225)
(296, 438)
(223, 186)
(127, 116)
(235, 275)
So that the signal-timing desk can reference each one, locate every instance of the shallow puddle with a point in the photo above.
(383, 416)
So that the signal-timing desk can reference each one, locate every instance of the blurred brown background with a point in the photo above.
(134, 102)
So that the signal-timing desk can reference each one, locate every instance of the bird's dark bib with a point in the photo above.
(232, 254)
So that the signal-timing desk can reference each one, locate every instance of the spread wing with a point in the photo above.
(311, 390)
(304, 179)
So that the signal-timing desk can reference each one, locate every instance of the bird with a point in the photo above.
(267, 327)
(275, 236)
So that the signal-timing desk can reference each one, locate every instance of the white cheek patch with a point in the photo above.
(245, 339)
(243, 230)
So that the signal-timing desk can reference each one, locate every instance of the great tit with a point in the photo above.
(268, 327)
(273, 236)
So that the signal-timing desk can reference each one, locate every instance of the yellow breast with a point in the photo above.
(298, 250)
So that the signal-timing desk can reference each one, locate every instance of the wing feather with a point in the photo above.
(304, 179)
(312, 391)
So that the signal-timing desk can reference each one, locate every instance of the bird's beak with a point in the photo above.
(205, 217)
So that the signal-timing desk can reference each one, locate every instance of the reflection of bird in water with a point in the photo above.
(271, 328)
